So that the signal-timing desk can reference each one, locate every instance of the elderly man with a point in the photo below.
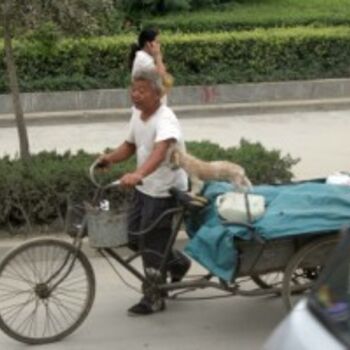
(153, 130)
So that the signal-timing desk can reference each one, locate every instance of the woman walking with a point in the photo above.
(147, 54)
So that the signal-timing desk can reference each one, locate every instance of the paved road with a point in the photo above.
(233, 323)
(320, 139)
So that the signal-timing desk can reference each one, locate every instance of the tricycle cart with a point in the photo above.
(47, 286)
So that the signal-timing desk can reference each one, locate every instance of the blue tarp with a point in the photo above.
(291, 210)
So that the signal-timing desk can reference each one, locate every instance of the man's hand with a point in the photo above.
(121, 153)
(103, 161)
(131, 180)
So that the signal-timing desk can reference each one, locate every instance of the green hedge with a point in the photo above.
(254, 14)
(38, 194)
(261, 55)
(76, 64)
(206, 58)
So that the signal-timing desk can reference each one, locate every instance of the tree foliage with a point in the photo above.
(138, 9)
(25, 15)
(70, 16)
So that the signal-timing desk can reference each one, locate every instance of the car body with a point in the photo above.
(322, 320)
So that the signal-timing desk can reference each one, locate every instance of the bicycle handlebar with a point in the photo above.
(92, 169)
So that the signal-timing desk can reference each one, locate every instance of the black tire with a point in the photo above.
(301, 272)
(268, 280)
(29, 311)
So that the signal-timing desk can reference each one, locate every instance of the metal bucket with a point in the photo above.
(107, 229)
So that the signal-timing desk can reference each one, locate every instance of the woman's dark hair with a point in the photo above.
(145, 36)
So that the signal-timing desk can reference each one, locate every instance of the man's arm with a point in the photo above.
(123, 152)
(157, 156)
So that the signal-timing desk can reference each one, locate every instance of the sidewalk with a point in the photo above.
(187, 101)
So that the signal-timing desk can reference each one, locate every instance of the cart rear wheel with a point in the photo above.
(304, 268)
(30, 310)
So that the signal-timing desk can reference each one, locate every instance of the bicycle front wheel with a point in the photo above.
(32, 309)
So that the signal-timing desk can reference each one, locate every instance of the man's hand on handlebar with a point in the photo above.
(103, 162)
(131, 179)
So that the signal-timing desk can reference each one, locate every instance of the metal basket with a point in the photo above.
(107, 229)
(74, 219)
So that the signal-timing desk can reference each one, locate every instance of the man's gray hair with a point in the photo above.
(152, 76)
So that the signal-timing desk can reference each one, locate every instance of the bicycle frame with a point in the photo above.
(162, 286)
(198, 283)
(201, 282)
(126, 262)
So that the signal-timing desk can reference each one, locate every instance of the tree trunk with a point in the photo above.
(13, 80)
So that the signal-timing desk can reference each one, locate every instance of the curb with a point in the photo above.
(195, 111)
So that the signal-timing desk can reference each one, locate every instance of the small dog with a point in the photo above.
(220, 170)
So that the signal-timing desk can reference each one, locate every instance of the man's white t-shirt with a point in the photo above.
(162, 125)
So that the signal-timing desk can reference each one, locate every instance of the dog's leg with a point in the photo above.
(242, 184)
(247, 183)
(196, 185)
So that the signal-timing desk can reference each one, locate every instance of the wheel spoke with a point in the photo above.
(33, 327)
(13, 278)
(20, 305)
(32, 266)
(64, 307)
(10, 295)
(12, 310)
(55, 317)
(69, 296)
(82, 291)
(8, 288)
(27, 321)
(20, 276)
(74, 282)
(51, 319)
(59, 309)
(78, 296)
(67, 300)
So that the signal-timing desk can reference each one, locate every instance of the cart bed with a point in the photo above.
(303, 209)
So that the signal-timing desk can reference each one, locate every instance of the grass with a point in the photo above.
(254, 13)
